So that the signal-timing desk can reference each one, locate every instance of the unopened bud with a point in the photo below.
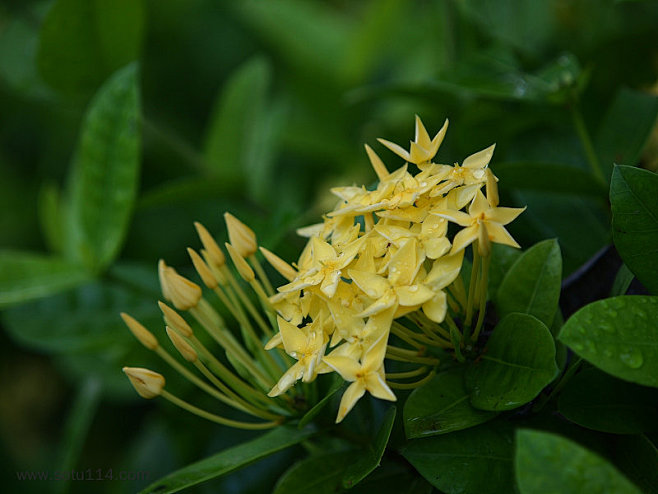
(240, 264)
(147, 383)
(286, 270)
(202, 268)
(144, 336)
(183, 347)
(179, 290)
(492, 189)
(214, 255)
(241, 237)
(175, 320)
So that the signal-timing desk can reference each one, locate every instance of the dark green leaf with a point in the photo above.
(503, 258)
(229, 460)
(549, 177)
(313, 412)
(441, 406)
(369, 460)
(51, 217)
(598, 401)
(618, 335)
(637, 458)
(84, 41)
(634, 200)
(320, 474)
(105, 171)
(26, 276)
(393, 477)
(622, 281)
(532, 284)
(471, 461)
(547, 463)
(517, 363)
(626, 128)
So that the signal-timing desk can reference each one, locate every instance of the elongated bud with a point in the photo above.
(241, 237)
(175, 320)
(144, 336)
(179, 290)
(183, 347)
(286, 270)
(216, 270)
(240, 264)
(214, 255)
(147, 383)
(202, 268)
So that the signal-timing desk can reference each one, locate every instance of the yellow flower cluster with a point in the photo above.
(383, 262)
(380, 255)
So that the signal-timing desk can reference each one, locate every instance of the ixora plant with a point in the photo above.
(413, 292)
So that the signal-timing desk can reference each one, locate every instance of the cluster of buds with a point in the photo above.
(381, 263)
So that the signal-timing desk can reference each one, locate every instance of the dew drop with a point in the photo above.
(632, 358)
(591, 347)
(608, 328)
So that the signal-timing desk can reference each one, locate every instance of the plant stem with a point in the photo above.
(586, 141)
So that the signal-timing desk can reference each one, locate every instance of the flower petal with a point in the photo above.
(503, 216)
(480, 159)
(497, 233)
(351, 395)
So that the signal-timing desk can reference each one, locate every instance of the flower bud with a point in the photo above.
(179, 290)
(240, 264)
(175, 320)
(183, 347)
(202, 268)
(214, 255)
(147, 383)
(144, 336)
(241, 237)
(286, 270)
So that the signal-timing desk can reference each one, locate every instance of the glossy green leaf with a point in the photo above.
(532, 284)
(321, 474)
(503, 258)
(237, 122)
(105, 171)
(598, 401)
(229, 460)
(634, 200)
(636, 456)
(471, 461)
(27, 276)
(618, 335)
(441, 406)
(369, 460)
(626, 128)
(84, 41)
(549, 177)
(517, 363)
(549, 464)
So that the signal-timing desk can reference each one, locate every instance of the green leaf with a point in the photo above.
(634, 200)
(517, 363)
(549, 177)
(337, 384)
(626, 128)
(237, 122)
(637, 458)
(441, 406)
(471, 461)
(503, 258)
(532, 285)
(51, 217)
(103, 182)
(369, 460)
(26, 276)
(395, 477)
(321, 474)
(598, 401)
(622, 281)
(83, 41)
(547, 463)
(229, 460)
(618, 336)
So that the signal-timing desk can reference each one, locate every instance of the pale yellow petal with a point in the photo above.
(322, 251)
(352, 394)
(464, 238)
(290, 377)
(459, 217)
(418, 154)
(435, 308)
(373, 285)
(399, 150)
(503, 216)
(404, 264)
(388, 300)
(422, 137)
(330, 283)
(480, 159)
(274, 342)
(479, 205)
(409, 296)
(377, 387)
(445, 270)
(347, 367)
(294, 339)
(377, 163)
(436, 247)
(498, 234)
(438, 138)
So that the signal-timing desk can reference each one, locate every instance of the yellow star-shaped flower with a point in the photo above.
(422, 149)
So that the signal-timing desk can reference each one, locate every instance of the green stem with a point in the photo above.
(413, 385)
(475, 269)
(586, 141)
(568, 374)
(483, 297)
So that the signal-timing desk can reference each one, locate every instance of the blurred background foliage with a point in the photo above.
(257, 108)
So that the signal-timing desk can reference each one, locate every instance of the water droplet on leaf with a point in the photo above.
(632, 358)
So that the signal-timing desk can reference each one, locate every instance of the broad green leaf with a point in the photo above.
(626, 128)
(634, 200)
(637, 458)
(237, 121)
(549, 177)
(598, 401)
(83, 41)
(229, 460)
(517, 363)
(51, 217)
(27, 276)
(103, 182)
(441, 406)
(471, 461)
(550, 464)
(356, 471)
(618, 335)
(532, 285)
(622, 281)
(321, 474)
(503, 258)
(337, 384)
